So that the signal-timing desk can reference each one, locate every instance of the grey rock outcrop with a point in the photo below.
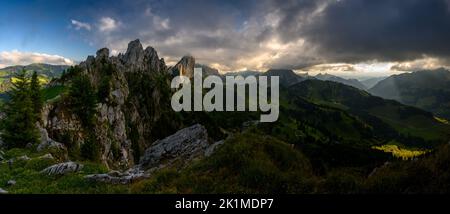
(46, 156)
(48, 143)
(211, 149)
(177, 150)
(24, 158)
(134, 57)
(116, 177)
(62, 168)
(180, 148)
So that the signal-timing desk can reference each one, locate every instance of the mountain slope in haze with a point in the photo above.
(243, 73)
(351, 82)
(207, 70)
(369, 83)
(45, 72)
(287, 77)
(429, 90)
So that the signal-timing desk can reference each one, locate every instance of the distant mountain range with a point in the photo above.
(429, 90)
(287, 77)
(351, 82)
(40, 68)
(45, 71)
(369, 83)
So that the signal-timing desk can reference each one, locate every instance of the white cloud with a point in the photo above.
(81, 25)
(426, 63)
(108, 24)
(15, 57)
(159, 22)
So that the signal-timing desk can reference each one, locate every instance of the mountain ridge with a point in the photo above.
(427, 89)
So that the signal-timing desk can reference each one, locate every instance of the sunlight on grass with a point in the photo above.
(441, 120)
(403, 153)
(42, 80)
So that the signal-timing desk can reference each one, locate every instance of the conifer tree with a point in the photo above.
(20, 121)
(83, 100)
(36, 94)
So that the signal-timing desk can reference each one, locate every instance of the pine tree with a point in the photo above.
(36, 94)
(20, 122)
(83, 100)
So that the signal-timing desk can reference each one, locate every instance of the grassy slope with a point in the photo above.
(404, 119)
(246, 163)
(30, 180)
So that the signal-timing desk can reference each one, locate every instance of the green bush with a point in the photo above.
(39, 164)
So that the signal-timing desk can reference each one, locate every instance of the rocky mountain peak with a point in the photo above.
(152, 59)
(134, 57)
(184, 67)
(132, 105)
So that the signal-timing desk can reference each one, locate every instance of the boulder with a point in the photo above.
(2, 191)
(62, 168)
(182, 147)
(24, 158)
(46, 156)
(211, 149)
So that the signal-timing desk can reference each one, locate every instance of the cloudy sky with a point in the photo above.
(345, 37)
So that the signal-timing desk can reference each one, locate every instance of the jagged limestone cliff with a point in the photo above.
(133, 108)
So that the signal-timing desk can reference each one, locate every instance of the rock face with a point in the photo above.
(133, 111)
(62, 168)
(48, 143)
(184, 67)
(180, 148)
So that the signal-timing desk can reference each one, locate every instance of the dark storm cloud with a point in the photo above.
(289, 33)
(355, 30)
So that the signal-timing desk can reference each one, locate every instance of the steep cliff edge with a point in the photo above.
(132, 111)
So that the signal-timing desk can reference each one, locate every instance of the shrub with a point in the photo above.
(39, 164)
